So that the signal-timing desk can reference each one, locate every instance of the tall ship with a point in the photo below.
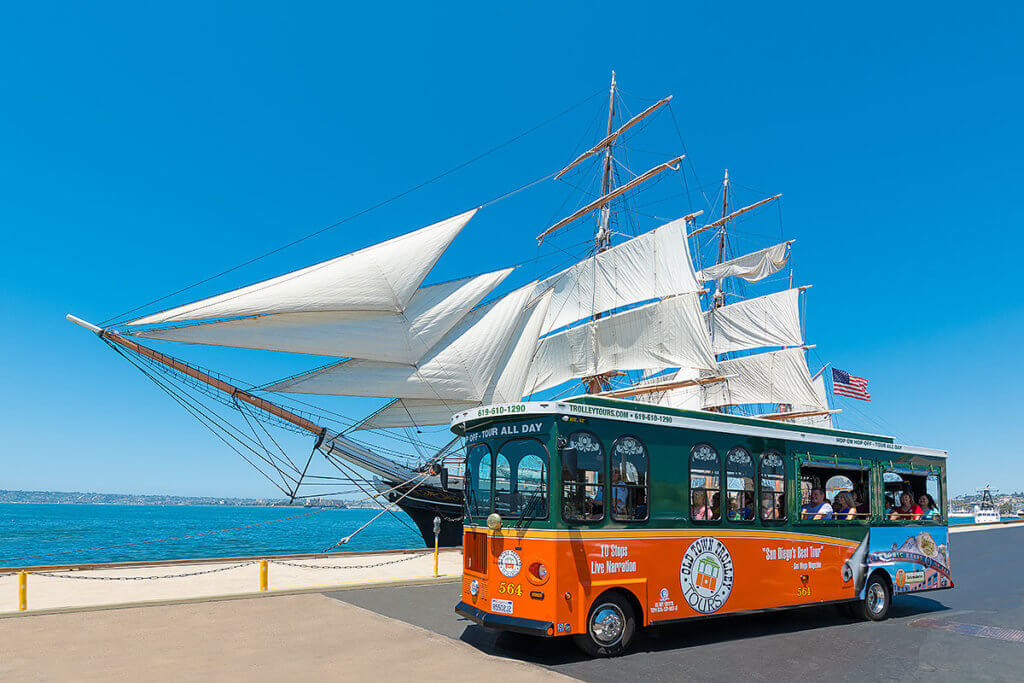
(663, 311)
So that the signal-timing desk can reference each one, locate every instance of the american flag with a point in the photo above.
(845, 384)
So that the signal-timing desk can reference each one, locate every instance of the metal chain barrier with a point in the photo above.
(143, 578)
(353, 566)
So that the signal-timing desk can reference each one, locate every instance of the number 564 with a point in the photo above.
(510, 588)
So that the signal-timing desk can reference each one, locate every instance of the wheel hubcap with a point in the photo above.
(607, 624)
(876, 598)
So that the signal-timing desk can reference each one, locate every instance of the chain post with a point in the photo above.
(263, 575)
(22, 591)
(437, 536)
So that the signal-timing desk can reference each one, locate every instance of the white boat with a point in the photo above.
(986, 512)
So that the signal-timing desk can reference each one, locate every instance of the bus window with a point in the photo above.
(739, 485)
(903, 491)
(583, 479)
(836, 492)
(629, 480)
(524, 494)
(773, 486)
(502, 484)
(705, 489)
(478, 480)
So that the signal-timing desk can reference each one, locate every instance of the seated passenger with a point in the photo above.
(862, 502)
(700, 510)
(844, 508)
(929, 510)
(907, 509)
(716, 506)
(818, 508)
(747, 511)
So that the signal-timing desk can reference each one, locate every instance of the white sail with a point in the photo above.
(751, 267)
(372, 335)
(505, 387)
(774, 377)
(686, 398)
(822, 404)
(669, 333)
(459, 367)
(382, 277)
(655, 264)
(772, 320)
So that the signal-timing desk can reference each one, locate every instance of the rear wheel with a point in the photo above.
(877, 600)
(611, 626)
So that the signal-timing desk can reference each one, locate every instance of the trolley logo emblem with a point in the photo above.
(706, 575)
(509, 563)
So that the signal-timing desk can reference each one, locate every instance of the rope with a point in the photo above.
(348, 538)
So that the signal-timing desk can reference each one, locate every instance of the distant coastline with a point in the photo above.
(93, 498)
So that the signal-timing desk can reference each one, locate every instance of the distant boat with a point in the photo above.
(986, 512)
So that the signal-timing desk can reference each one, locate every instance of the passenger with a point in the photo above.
(716, 506)
(860, 497)
(907, 509)
(818, 508)
(747, 511)
(700, 509)
(929, 510)
(844, 508)
(780, 505)
(767, 509)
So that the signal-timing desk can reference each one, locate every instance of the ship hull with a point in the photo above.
(427, 502)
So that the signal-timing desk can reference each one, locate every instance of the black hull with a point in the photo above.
(427, 502)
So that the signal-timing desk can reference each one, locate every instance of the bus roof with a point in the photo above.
(645, 413)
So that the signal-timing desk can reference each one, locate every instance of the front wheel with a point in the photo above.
(611, 626)
(877, 600)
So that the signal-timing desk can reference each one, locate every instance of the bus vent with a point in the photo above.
(474, 549)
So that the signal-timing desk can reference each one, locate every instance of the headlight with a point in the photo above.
(474, 588)
(494, 521)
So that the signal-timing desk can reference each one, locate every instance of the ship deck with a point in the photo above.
(406, 631)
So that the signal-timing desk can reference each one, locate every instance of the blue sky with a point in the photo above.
(147, 147)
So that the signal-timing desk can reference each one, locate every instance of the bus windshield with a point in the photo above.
(510, 478)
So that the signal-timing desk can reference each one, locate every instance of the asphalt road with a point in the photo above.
(972, 632)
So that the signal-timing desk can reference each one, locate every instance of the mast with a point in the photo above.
(602, 239)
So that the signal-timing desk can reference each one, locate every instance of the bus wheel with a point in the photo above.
(877, 600)
(611, 626)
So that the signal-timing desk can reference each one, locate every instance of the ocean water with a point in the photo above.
(36, 534)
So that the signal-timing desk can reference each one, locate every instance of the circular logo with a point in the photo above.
(901, 578)
(706, 575)
(664, 594)
(509, 563)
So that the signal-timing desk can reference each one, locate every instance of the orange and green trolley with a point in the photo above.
(594, 517)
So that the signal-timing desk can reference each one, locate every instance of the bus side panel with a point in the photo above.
(691, 572)
(915, 557)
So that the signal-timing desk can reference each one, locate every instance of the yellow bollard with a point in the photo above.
(435, 556)
(263, 574)
(437, 534)
(22, 591)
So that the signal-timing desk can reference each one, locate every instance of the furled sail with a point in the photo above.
(382, 277)
(652, 265)
(751, 267)
(507, 385)
(668, 333)
(459, 367)
(772, 320)
(403, 337)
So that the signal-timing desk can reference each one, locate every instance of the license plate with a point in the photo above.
(501, 606)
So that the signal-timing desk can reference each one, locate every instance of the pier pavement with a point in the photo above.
(402, 631)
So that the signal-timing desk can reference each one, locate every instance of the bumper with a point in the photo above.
(530, 627)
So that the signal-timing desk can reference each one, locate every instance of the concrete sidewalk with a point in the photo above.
(60, 589)
(275, 638)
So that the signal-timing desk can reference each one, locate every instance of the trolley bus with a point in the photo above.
(595, 517)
